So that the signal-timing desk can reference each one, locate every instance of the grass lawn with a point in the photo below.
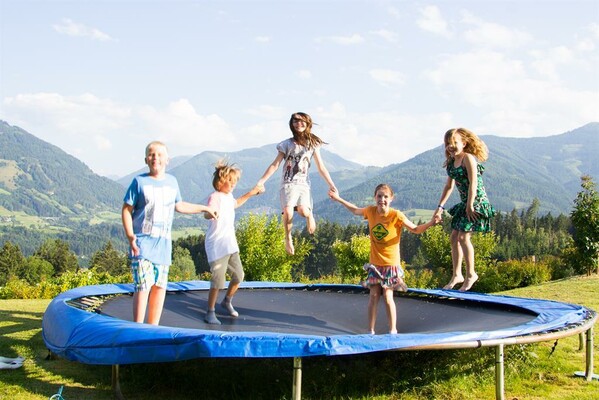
(532, 372)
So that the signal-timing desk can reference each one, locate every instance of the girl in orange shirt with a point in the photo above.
(384, 271)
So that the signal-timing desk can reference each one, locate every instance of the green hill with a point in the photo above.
(518, 170)
(39, 179)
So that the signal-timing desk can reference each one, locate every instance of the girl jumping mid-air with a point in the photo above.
(297, 153)
(463, 151)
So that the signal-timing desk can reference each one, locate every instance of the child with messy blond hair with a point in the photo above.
(221, 243)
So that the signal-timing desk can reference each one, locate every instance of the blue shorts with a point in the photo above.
(147, 274)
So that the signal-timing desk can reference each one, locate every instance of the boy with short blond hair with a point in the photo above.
(147, 214)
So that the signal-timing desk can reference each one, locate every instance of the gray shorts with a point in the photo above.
(295, 195)
(219, 268)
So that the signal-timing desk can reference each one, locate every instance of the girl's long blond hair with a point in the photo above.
(472, 144)
(305, 138)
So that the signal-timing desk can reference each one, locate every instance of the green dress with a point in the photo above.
(459, 221)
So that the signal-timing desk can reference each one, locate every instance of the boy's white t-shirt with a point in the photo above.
(220, 237)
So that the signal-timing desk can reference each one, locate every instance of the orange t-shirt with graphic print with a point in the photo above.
(385, 234)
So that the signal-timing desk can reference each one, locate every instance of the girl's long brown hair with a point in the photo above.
(472, 144)
(305, 138)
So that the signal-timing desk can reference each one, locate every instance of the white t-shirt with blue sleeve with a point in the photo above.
(153, 202)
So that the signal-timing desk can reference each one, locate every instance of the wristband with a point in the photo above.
(441, 207)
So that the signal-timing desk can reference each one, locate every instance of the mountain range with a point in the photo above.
(39, 179)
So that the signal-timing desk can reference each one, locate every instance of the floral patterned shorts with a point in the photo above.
(389, 277)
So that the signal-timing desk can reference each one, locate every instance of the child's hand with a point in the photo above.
(258, 189)
(210, 213)
(334, 194)
(437, 219)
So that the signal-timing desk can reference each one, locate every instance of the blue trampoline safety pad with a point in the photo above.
(285, 320)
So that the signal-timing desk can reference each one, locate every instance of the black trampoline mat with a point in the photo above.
(325, 313)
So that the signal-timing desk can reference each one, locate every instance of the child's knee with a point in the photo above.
(303, 211)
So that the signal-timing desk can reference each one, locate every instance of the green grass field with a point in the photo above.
(532, 372)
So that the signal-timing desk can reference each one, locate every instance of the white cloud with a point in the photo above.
(387, 35)
(267, 112)
(380, 138)
(101, 131)
(181, 126)
(511, 98)
(346, 40)
(262, 39)
(71, 28)
(489, 34)
(304, 74)
(102, 142)
(432, 21)
(387, 76)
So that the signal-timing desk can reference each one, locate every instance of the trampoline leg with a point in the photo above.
(588, 373)
(116, 386)
(499, 377)
(297, 378)
(589, 367)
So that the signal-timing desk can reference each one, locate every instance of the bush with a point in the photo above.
(422, 278)
(512, 274)
(50, 288)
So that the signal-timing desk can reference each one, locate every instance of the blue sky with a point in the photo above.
(383, 79)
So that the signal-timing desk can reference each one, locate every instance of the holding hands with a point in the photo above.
(258, 189)
(210, 213)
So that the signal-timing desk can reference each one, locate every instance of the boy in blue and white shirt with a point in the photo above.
(148, 210)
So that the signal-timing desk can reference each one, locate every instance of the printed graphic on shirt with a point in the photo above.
(296, 162)
(158, 210)
(296, 168)
(379, 231)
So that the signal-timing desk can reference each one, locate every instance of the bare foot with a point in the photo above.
(311, 223)
(468, 283)
(393, 332)
(289, 246)
(454, 281)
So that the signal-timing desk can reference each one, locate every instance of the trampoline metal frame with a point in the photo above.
(583, 330)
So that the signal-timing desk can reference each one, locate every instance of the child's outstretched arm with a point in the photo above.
(418, 229)
(322, 170)
(270, 170)
(334, 194)
(255, 191)
(190, 208)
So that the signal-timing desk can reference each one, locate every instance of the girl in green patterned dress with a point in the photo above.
(463, 151)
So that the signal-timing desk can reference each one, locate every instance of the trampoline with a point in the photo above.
(93, 324)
